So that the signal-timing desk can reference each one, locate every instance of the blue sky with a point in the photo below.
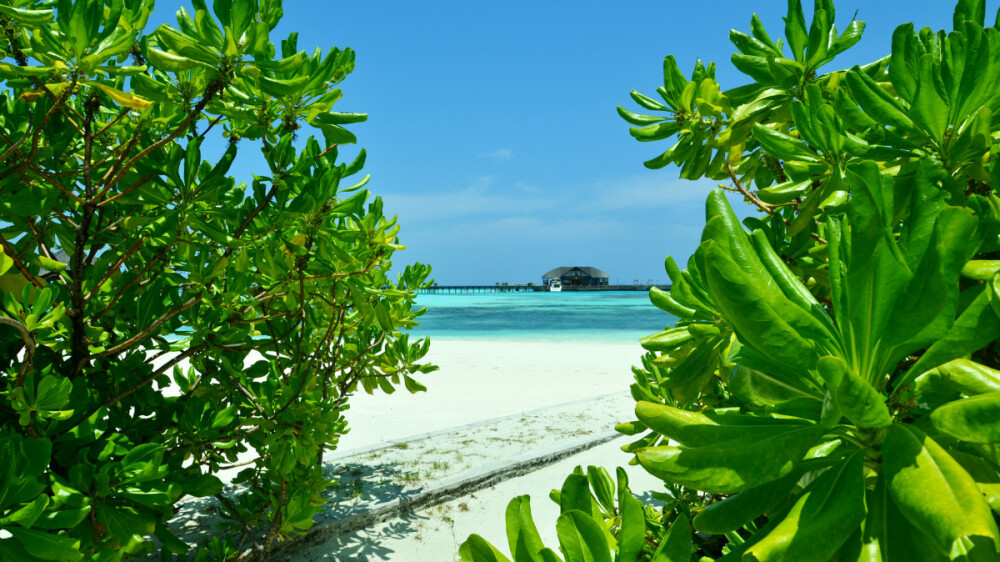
(492, 128)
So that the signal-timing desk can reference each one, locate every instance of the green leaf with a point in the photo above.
(758, 315)
(782, 146)
(699, 429)
(638, 119)
(855, 397)
(660, 299)
(202, 485)
(48, 546)
(737, 510)
(937, 495)
(522, 535)
(581, 538)
(958, 376)
(27, 515)
(904, 62)
(929, 110)
(795, 30)
(27, 17)
(478, 549)
(829, 510)
(126, 99)
(896, 537)
(667, 340)
(676, 544)
(876, 102)
(980, 270)
(731, 466)
(290, 88)
(973, 419)
(52, 265)
(575, 494)
(633, 531)
(170, 62)
(977, 326)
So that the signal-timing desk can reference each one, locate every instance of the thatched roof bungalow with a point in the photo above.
(577, 276)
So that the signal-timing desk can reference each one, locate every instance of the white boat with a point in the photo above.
(555, 286)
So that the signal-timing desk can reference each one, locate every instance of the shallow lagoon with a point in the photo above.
(610, 316)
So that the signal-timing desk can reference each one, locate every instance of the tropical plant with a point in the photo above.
(863, 306)
(595, 520)
(160, 320)
(856, 325)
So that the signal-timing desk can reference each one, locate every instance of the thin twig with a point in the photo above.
(12, 254)
(29, 347)
(149, 330)
(746, 193)
(139, 385)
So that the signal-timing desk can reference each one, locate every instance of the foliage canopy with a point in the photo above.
(161, 321)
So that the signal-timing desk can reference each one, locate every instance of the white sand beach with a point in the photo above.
(481, 380)
(492, 405)
(565, 390)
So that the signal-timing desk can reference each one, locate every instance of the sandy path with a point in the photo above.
(480, 380)
(547, 393)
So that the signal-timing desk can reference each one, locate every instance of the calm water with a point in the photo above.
(613, 316)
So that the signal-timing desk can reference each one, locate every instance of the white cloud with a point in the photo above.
(518, 230)
(498, 154)
(479, 198)
(646, 192)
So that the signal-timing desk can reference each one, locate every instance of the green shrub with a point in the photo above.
(834, 379)
(139, 278)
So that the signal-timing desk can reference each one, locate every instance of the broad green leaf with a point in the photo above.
(676, 544)
(661, 299)
(795, 30)
(280, 88)
(896, 537)
(937, 495)
(959, 375)
(699, 429)
(904, 62)
(48, 546)
(27, 515)
(876, 102)
(6, 262)
(478, 549)
(126, 99)
(821, 520)
(748, 308)
(522, 535)
(975, 327)
(980, 270)
(782, 146)
(203, 485)
(737, 510)
(762, 389)
(51, 264)
(855, 397)
(27, 17)
(575, 494)
(973, 419)
(667, 340)
(633, 530)
(929, 110)
(581, 538)
(731, 466)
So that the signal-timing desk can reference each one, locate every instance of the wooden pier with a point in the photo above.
(508, 288)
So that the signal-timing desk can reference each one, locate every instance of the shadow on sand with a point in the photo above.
(358, 488)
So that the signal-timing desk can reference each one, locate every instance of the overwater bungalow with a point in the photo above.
(577, 276)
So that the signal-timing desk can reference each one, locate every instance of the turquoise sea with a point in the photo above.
(612, 316)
